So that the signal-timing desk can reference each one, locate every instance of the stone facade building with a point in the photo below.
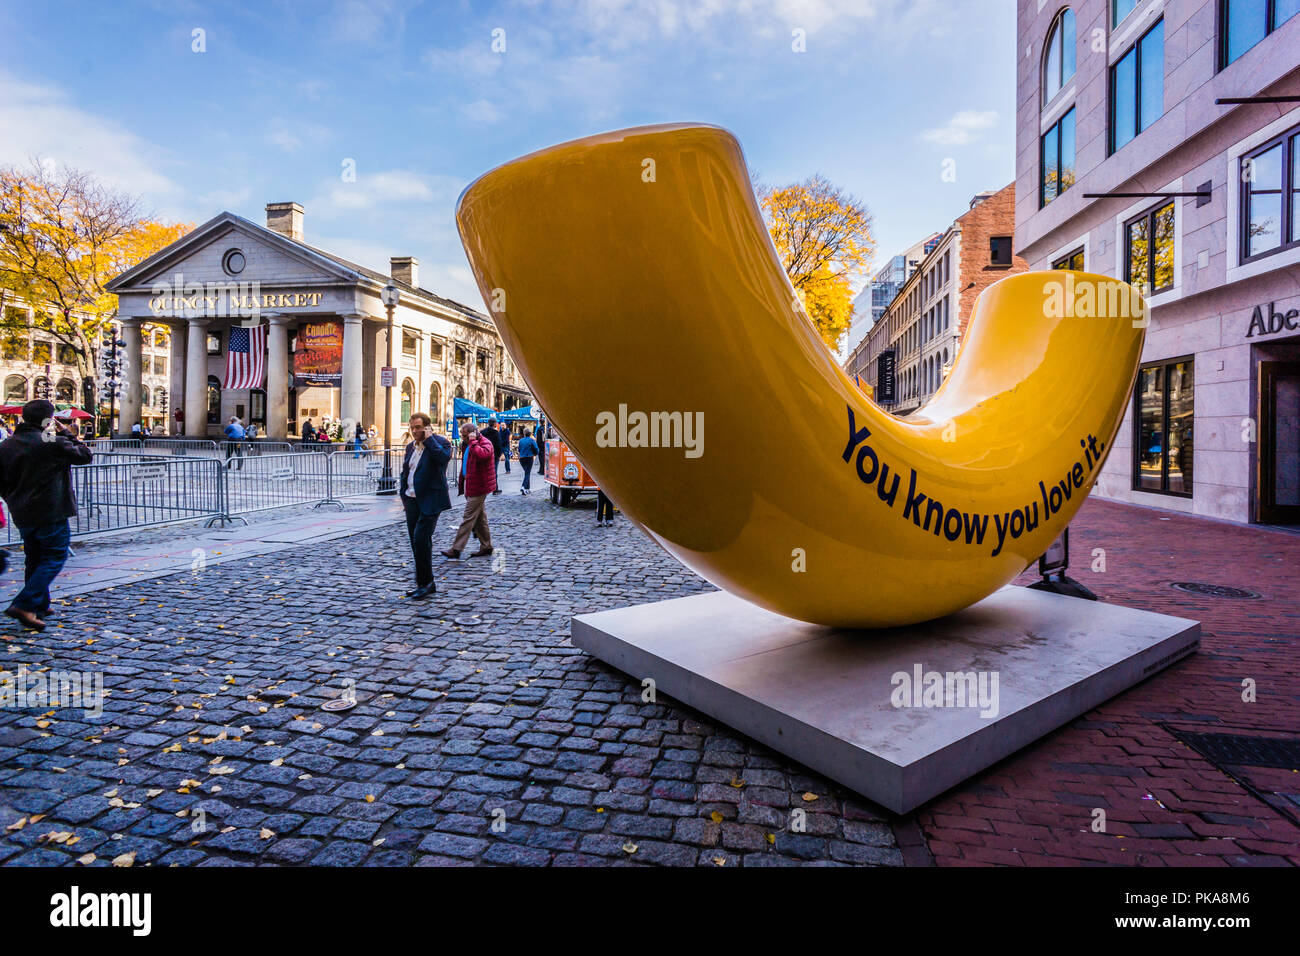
(1158, 142)
(325, 333)
(924, 325)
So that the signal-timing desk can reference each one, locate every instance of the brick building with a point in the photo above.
(923, 327)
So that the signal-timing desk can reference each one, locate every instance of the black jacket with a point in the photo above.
(36, 476)
(494, 436)
(430, 478)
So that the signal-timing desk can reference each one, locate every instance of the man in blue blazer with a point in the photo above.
(423, 490)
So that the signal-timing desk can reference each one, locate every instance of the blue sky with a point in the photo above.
(413, 93)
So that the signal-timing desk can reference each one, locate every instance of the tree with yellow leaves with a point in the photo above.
(63, 236)
(823, 237)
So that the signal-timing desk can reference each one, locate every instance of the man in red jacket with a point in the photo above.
(480, 481)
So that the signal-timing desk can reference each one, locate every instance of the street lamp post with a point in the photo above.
(389, 296)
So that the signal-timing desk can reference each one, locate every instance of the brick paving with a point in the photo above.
(482, 736)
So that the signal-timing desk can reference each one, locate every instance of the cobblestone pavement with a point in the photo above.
(480, 734)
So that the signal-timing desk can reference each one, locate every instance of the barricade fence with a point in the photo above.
(133, 487)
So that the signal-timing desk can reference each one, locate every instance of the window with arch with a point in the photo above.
(478, 396)
(15, 389)
(214, 400)
(408, 399)
(435, 402)
(460, 391)
(1059, 55)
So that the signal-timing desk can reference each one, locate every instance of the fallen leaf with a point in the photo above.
(126, 859)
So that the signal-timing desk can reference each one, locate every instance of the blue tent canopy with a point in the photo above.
(464, 408)
(526, 414)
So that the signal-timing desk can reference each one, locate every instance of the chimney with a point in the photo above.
(285, 218)
(405, 269)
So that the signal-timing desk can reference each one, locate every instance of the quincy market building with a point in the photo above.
(325, 333)
(1123, 96)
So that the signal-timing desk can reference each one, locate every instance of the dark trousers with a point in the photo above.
(604, 507)
(507, 458)
(420, 528)
(236, 449)
(527, 463)
(45, 548)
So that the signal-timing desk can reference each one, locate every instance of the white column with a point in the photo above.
(132, 379)
(350, 399)
(277, 378)
(196, 378)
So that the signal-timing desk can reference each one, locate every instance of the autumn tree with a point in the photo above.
(823, 237)
(63, 236)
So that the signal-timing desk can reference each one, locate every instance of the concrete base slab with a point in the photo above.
(898, 715)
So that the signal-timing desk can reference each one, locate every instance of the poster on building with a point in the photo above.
(318, 360)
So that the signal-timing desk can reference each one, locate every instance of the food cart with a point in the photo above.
(564, 473)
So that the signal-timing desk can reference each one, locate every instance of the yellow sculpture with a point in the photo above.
(634, 283)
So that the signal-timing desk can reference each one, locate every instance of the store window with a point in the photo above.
(408, 399)
(435, 350)
(256, 406)
(1058, 59)
(410, 344)
(1137, 87)
(1056, 159)
(1243, 23)
(1270, 196)
(214, 343)
(15, 390)
(1071, 260)
(214, 400)
(1149, 249)
(1162, 426)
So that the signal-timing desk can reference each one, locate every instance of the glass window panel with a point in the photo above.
(1066, 175)
(41, 352)
(1052, 72)
(1265, 170)
(1151, 436)
(1164, 247)
(1265, 222)
(1284, 10)
(1067, 46)
(1138, 253)
(1124, 95)
(1247, 24)
(1179, 442)
(1050, 163)
(1152, 47)
(1123, 8)
(1295, 188)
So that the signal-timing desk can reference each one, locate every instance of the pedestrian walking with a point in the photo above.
(479, 481)
(506, 438)
(493, 434)
(36, 483)
(604, 509)
(234, 443)
(423, 490)
(527, 452)
(359, 442)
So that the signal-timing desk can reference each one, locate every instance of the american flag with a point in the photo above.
(246, 357)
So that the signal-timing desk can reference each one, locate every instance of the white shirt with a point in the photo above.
(410, 472)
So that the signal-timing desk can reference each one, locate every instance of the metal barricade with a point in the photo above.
(182, 447)
(350, 473)
(113, 495)
(262, 482)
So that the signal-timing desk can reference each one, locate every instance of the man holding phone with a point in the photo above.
(36, 482)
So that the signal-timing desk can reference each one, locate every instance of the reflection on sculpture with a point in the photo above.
(653, 321)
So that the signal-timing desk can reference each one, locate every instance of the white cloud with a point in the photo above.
(39, 121)
(481, 111)
(964, 127)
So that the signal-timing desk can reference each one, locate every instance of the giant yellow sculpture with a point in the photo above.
(634, 283)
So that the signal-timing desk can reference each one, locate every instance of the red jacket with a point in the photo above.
(480, 473)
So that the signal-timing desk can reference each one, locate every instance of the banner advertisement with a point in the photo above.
(318, 360)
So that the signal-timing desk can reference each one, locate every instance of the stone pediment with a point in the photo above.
(269, 259)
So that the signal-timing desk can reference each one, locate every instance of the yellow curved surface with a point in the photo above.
(622, 286)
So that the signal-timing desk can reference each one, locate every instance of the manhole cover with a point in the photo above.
(339, 703)
(1213, 590)
(1282, 753)
(468, 621)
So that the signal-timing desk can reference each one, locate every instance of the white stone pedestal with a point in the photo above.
(842, 701)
